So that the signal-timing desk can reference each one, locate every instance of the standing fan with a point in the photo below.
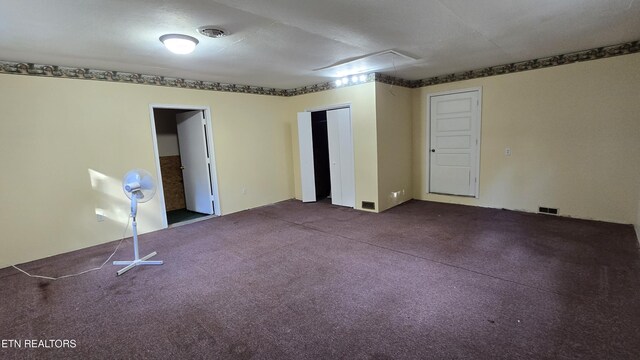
(140, 187)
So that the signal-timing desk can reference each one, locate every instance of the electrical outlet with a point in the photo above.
(507, 151)
(244, 191)
(100, 217)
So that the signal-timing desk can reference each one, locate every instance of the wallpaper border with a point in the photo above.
(56, 71)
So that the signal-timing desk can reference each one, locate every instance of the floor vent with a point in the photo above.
(545, 210)
(369, 205)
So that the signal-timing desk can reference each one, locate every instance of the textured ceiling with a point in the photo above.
(279, 43)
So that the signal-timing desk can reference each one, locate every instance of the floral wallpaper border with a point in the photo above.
(570, 58)
(133, 78)
(31, 69)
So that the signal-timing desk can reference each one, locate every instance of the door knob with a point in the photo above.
(181, 167)
(433, 150)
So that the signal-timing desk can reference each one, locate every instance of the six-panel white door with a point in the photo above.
(454, 143)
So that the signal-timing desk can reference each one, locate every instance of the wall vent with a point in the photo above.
(369, 205)
(546, 210)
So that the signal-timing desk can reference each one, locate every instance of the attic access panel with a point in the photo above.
(379, 61)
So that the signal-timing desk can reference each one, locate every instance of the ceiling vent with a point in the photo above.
(212, 31)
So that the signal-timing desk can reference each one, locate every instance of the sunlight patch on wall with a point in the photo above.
(111, 202)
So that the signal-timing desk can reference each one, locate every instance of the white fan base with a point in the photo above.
(139, 262)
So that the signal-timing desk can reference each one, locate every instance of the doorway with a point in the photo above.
(326, 156)
(183, 147)
(454, 142)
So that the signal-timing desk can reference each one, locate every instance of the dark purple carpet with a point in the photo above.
(315, 281)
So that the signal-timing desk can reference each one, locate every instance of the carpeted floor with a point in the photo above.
(316, 281)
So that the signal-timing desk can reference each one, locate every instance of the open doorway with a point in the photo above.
(186, 167)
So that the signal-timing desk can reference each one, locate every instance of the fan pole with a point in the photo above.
(134, 228)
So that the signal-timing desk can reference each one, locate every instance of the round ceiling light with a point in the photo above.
(179, 44)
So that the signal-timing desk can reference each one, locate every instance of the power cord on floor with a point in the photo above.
(82, 272)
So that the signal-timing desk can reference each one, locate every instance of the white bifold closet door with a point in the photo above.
(305, 141)
(342, 173)
(341, 157)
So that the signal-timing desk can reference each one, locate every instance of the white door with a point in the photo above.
(195, 161)
(454, 143)
(341, 157)
(307, 171)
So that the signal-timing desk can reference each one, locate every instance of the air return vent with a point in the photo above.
(546, 210)
(369, 205)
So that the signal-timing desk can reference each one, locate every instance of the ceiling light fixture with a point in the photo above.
(355, 79)
(179, 44)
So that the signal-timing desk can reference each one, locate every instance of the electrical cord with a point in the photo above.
(85, 271)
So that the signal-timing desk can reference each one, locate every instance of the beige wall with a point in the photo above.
(393, 119)
(574, 131)
(166, 132)
(363, 117)
(65, 144)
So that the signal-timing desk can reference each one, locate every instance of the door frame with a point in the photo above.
(212, 157)
(329, 107)
(428, 136)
